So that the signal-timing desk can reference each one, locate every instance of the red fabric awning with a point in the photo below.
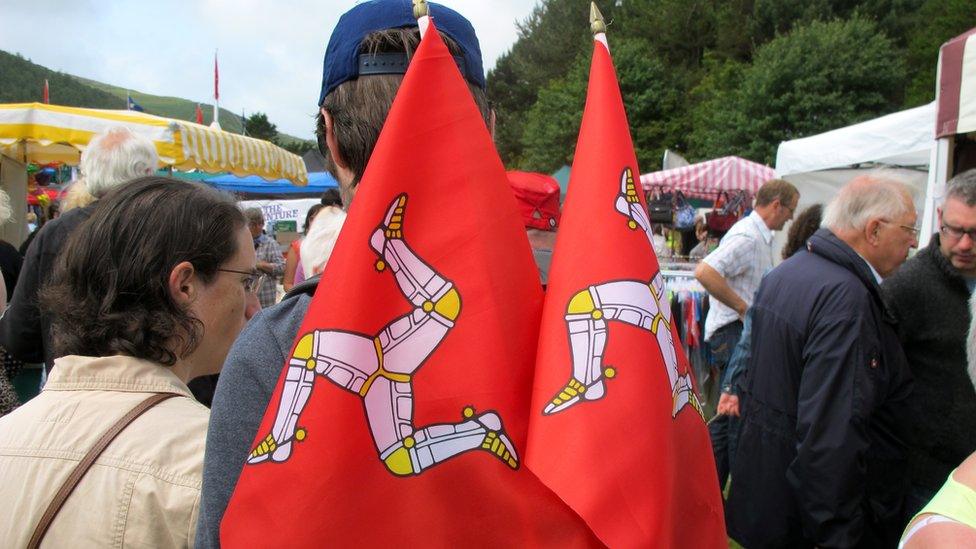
(705, 179)
(957, 86)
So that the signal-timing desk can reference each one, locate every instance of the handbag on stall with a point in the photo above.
(660, 207)
(684, 212)
(725, 213)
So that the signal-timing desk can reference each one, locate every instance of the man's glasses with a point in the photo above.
(911, 229)
(956, 233)
(252, 284)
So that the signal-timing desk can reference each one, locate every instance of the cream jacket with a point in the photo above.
(143, 491)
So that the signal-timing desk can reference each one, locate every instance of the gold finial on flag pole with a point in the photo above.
(597, 25)
(420, 9)
(422, 12)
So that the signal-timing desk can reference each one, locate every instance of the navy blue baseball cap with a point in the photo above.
(342, 57)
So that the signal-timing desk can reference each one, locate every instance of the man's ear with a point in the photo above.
(871, 232)
(331, 142)
(182, 283)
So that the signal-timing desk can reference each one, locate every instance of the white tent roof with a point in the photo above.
(903, 139)
(821, 164)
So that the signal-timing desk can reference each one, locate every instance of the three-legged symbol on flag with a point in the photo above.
(380, 369)
(635, 302)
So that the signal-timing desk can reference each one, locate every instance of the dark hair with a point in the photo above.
(359, 107)
(331, 197)
(806, 223)
(109, 293)
(310, 215)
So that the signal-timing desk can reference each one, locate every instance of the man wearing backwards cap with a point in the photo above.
(364, 64)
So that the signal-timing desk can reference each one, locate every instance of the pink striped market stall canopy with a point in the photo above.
(957, 86)
(705, 179)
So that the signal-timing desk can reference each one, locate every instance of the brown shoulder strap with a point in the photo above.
(86, 462)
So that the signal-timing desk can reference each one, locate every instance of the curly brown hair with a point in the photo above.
(109, 292)
(806, 223)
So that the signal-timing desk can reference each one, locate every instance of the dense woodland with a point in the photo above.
(710, 78)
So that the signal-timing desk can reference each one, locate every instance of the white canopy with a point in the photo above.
(821, 164)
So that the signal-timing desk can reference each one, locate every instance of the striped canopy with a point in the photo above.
(957, 86)
(41, 133)
(705, 179)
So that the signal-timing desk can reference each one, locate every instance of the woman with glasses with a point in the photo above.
(151, 292)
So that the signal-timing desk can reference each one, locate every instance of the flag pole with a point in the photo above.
(421, 11)
(216, 116)
(597, 25)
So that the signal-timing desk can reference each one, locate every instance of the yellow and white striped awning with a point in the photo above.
(36, 132)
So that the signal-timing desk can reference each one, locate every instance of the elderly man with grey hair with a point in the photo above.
(111, 159)
(821, 452)
(929, 298)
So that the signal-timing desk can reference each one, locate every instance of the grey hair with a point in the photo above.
(254, 216)
(878, 195)
(116, 157)
(6, 210)
(963, 187)
(971, 346)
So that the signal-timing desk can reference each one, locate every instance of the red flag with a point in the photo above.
(199, 114)
(616, 429)
(216, 79)
(46, 96)
(400, 416)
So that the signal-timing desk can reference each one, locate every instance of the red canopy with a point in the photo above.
(705, 179)
(538, 198)
(957, 72)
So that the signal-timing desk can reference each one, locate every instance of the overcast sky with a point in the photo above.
(270, 51)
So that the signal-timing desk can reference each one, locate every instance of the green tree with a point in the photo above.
(258, 127)
(549, 41)
(652, 96)
(937, 22)
(819, 77)
(297, 146)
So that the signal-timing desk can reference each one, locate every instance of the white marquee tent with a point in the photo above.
(904, 141)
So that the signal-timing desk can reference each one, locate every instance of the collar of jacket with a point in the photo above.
(933, 253)
(113, 373)
(826, 244)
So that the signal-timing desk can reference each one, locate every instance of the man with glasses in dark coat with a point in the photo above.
(929, 297)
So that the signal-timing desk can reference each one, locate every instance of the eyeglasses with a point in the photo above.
(911, 229)
(956, 233)
(792, 210)
(252, 284)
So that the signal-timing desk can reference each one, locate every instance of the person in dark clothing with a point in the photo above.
(929, 299)
(111, 159)
(821, 452)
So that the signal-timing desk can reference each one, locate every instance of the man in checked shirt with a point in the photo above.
(731, 276)
(270, 260)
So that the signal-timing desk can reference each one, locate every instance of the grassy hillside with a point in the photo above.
(22, 81)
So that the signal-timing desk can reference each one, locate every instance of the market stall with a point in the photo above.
(254, 187)
(955, 121)
(38, 133)
(821, 164)
(706, 179)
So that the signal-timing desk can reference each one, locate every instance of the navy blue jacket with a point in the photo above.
(821, 459)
